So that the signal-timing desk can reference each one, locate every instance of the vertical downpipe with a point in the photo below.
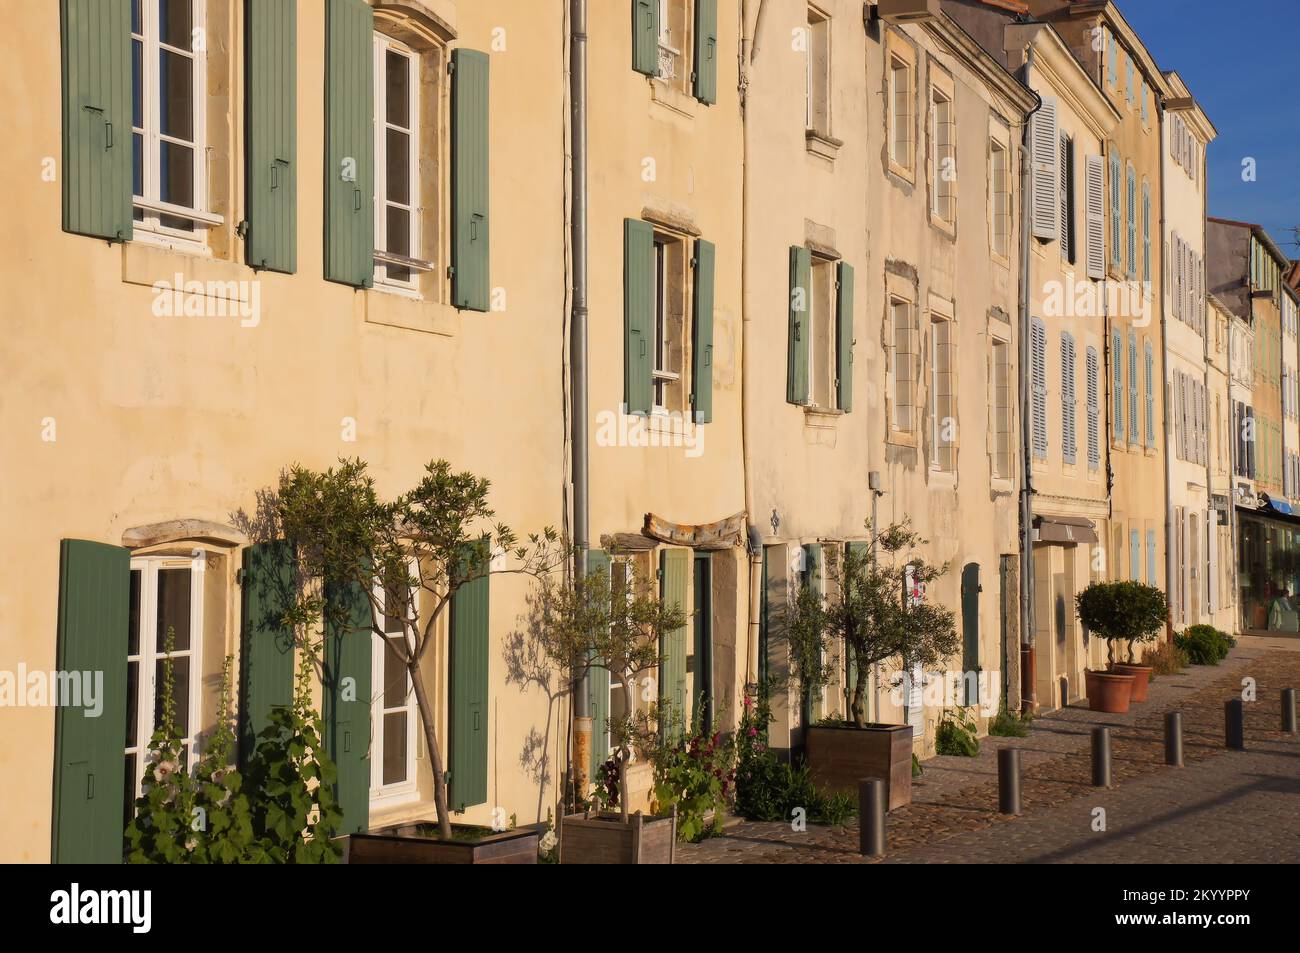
(1028, 699)
(578, 361)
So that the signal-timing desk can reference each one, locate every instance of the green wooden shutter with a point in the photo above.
(638, 315)
(844, 337)
(674, 569)
(349, 143)
(469, 687)
(970, 630)
(272, 126)
(645, 36)
(706, 51)
(702, 326)
(97, 166)
(470, 285)
(800, 330)
(348, 687)
(89, 766)
(598, 682)
(266, 645)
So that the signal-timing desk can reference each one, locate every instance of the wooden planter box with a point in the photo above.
(605, 839)
(507, 847)
(842, 755)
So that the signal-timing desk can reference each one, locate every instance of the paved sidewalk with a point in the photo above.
(1181, 815)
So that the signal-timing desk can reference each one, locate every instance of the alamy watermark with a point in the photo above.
(209, 299)
(668, 428)
(41, 689)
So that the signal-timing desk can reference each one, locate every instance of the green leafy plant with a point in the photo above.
(1010, 724)
(768, 789)
(1122, 612)
(1204, 644)
(294, 812)
(160, 832)
(421, 546)
(697, 776)
(957, 734)
(869, 619)
(917, 770)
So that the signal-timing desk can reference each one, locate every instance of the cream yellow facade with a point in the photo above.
(129, 419)
(1196, 566)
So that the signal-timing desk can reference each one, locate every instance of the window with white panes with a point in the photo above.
(943, 150)
(670, 283)
(943, 394)
(821, 350)
(1001, 409)
(168, 115)
(906, 365)
(394, 716)
(901, 121)
(1000, 194)
(397, 162)
(817, 76)
(166, 611)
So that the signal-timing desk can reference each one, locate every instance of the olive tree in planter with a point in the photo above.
(869, 618)
(1126, 612)
(585, 623)
(400, 561)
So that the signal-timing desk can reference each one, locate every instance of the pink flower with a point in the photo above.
(753, 732)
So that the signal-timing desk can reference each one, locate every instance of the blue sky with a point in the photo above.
(1242, 62)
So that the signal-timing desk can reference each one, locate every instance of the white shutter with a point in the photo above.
(1095, 200)
(1044, 144)
(1039, 388)
(1179, 430)
(1094, 448)
(1068, 448)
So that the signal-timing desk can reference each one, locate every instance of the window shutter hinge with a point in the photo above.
(451, 65)
(242, 229)
(239, 577)
(451, 271)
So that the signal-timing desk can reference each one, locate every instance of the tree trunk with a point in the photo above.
(625, 752)
(859, 716)
(435, 753)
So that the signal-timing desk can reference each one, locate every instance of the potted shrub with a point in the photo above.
(403, 559)
(581, 623)
(869, 618)
(424, 844)
(1126, 612)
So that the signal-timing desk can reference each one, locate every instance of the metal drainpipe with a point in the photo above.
(578, 357)
(748, 54)
(1212, 535)
(1028, 698)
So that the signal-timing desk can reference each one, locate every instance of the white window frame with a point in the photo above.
(149, 655)
(947, 217)
(150, 203)
(914, 357)
(383, 258)
(900, 120)
(628, 568)
(398, 791)
(660, 377)
(1000, 191)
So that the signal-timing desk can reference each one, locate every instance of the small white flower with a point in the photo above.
(547, 842)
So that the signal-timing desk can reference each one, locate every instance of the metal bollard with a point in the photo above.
(1009, 781)
(1101, 757)
(1288, 711)
(871, 811)
(1234, 724)
(1174, 738)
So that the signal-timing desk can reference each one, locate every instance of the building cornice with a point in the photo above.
(1127, 35)
(961, 44)
(1066, 75)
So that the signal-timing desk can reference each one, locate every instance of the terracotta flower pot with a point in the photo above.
(1141, 675)
(1109, 691)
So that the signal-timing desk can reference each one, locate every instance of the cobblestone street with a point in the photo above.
(1223, 807)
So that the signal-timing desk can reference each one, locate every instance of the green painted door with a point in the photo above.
(95, 40)
(674, 569)
(970, 631)
(266, 644)
(702, 630)
(468, 696)
(348, 687)
(90, 780)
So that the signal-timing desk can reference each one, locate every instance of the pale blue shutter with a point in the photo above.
(1038, 342)
(1068, 444)
(1117, 387)
(1150, 395)
(1133, 435)
(1151, 557)
(1135, 555)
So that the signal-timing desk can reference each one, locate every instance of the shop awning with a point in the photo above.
(1270, 512)
(1064, 529)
